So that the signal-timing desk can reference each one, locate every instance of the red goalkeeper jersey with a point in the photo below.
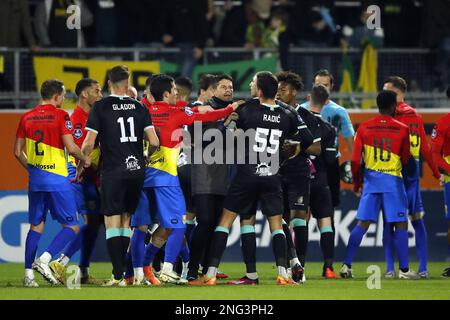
(440, 144)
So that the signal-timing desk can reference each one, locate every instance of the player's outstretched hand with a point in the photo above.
(205, 109)
(290, 149)
(232, 117)
(237, 104)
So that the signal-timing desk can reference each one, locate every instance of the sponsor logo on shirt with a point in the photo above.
(132, 163)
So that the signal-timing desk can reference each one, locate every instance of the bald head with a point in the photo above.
(132, 92)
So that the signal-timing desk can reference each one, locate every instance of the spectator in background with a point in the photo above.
(257, 13)
(234, 26)
(15, 23)
(50, 23)
(104, 31)
(360, 35)
(313, 28)
(436, 35)
(270, 34)
(184, 23)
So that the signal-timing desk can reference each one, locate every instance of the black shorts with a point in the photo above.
(334, 182)
(245, 191)
(296, 193)
(320, 199)
(184, 175)
(120, 194)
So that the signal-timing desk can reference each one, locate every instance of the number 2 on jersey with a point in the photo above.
(261, 140)
(123, 136)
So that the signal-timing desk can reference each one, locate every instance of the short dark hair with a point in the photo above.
(221, 77)
(51, 87)
(292, 79)
(148, 81)
(386, 99)
(83, 84)
(118, 73)
(398, 83)
(184, 82)
(319, 94)
(267, 83)
(206, 80)
(161, 83)
(324, 73)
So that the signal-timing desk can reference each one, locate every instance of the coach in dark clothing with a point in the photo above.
(209, 183)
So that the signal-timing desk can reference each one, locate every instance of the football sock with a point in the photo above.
(31, 246)
(61, 240)
(115, 250)
(137, 248)
(174, 244)
(401, 244)
(158, 259)
(291, 253)
(64, 261)
(190, 225)
(152, 249)
(252, 275)
(218, 245)
(75, 245)
(125, 236)
(300, 227)
(248, 247)
(87, 245)
(327, 245)
(279, 248)
(129, 272)
(354, 241)
(282, 272)
(185, 252)
(389, 246)
(421, 243)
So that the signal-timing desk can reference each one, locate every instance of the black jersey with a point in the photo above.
(120, 122)
(299, 166)
(264, 130)
(328, 145)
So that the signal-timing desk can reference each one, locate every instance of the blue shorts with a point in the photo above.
(61, 204)
(169, 204)
(394, 206)
(141, 216)
(447, 200)
(87, 198)
(414, 197)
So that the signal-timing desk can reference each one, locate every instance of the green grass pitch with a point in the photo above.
(315, 287)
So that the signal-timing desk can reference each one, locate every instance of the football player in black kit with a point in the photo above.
(267, 126)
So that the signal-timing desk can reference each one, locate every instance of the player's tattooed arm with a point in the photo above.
(19, 152)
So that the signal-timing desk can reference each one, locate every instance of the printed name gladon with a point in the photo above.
(187, 310)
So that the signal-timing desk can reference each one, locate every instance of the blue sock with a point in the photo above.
(354, 241)
(401, 244)
(150, 253)
(185, 252)
(87, 246)
(31, 246)
(138, 248)
(75, 245)
(421, 243)
(61, 240)
(129, 272)
(174, 244)
(389, 246)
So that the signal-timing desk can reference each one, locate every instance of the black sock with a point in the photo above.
(280, 249)
(291, 254)
(178, 267)
(201, 238)
(327, 246)
(217, 247)
(159, 259)
(115, 251)
(125, 244)
(301, 242)
(248, 246)
(188, 233)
